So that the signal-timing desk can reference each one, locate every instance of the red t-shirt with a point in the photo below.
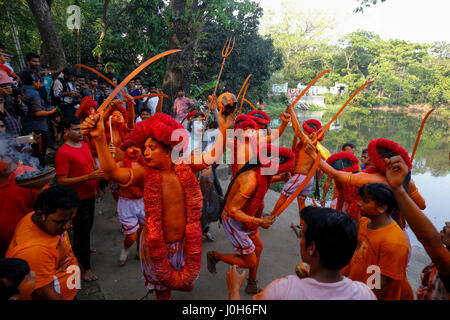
(76, 162)
(15, 203)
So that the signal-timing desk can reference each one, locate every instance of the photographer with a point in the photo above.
(64, 93)
(10, 121)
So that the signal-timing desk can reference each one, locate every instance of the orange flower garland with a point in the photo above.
(179, 280)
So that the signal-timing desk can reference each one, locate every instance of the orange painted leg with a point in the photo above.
(129, 240)
(243, 261)
(258, 249)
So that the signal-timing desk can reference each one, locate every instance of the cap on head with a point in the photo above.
(261, 118)
(312, 125)
(243, 121)
(161, 128)
(394, 149)
(344, 161)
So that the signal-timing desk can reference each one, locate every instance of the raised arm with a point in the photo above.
(276, 134)
(125, 176)
(130, 112)
(423, 228)
(226, 120)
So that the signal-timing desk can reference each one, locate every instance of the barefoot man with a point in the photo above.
(242, 213)
(171, 242)
(303, 164)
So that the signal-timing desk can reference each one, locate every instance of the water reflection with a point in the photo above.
(431, 164)
(360, 126)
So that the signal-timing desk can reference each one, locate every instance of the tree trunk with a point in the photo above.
(103, 32)
(183, 34)
(52, 52)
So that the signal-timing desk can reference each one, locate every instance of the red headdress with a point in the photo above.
(194, 114)
(85, 105)
(126, 144)
(285, 158)
(243, 121)
(395, 148)
(116, 105)
(160, 127)
(312, 125)
(261, 118)
(344, 161)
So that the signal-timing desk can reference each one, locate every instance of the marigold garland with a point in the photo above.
(179, 280)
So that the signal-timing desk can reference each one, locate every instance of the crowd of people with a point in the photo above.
(166, 205)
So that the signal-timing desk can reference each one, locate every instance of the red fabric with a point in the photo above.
(15, 203)
(160, 127)
(309, 129)
(7, 70)
(261, 118)
(255, 206)
(378, 161)
(76, 162)
(85, 105)
(243, 121)
(168, 277)
(345, 155)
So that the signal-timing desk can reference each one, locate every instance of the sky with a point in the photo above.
(422, 21)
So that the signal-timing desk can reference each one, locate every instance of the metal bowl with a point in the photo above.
(36, 179)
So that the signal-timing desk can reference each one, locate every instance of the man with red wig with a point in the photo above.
(171, 242)
(130, 205)
(303, 164)
(243, 208)
(379, 150)
(118, 123)
(262, 121)
(347, 195)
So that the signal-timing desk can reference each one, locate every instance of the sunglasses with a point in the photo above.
(4, 85)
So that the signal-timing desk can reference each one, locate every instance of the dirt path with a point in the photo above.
(280, 255)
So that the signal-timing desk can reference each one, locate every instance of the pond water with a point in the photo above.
(431, 167)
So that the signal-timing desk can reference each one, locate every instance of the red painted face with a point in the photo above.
(155, 154)
(117, 117)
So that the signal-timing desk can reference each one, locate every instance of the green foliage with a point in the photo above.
(197, 91)
(252, 52)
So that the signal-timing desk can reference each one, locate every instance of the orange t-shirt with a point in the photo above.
(386, 248)
(47, 255)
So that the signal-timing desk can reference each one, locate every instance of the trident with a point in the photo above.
(226, 51)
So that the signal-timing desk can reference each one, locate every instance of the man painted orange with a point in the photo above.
(171, 240)
(378, 150)
(121, 122)
(130, 205)
(303, 164)
(243, 208)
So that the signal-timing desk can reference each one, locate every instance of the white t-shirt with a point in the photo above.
(152, 103)
(294, 288)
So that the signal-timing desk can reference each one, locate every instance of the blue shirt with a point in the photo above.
(33, 101)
